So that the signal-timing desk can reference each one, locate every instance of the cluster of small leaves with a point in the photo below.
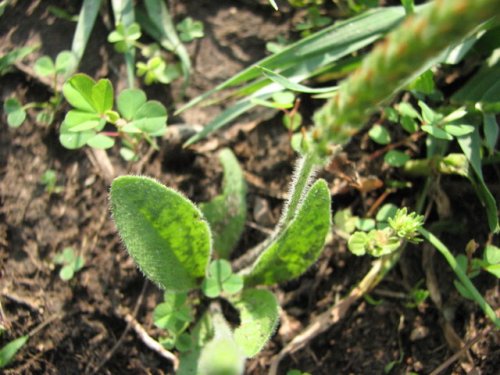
(155, 69)
(190, 29)
(71, 263)
(378, 242)
(221, 279)
(174, 315)
(137, 118)
(124, 37)
(45, 66)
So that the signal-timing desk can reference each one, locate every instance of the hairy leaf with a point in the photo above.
(299, 244)
(164, 232)
(259, 317)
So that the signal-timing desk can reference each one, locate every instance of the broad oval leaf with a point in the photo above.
(299, 244)
(259, 315)
(129, 101)
(163, 231)
(78, 92)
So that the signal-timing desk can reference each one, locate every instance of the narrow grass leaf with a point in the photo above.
(86, 20)
(293, 86)
(164, 232)
(160, 17)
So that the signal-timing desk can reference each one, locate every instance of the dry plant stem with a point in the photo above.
(461, 352)
(110, 353)
(323, 322)
(150, 342)
(403, 54)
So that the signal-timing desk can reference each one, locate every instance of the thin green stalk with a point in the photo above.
(403, 54)
(464, 279)
(306, 167)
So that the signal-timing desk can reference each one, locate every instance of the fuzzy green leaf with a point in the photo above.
(164, 232)
(8, 351)
(298, 246)
(129, 101)
(259, 315)
(221, 357)
(226, 213)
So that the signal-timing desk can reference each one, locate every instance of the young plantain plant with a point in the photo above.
(171, 240)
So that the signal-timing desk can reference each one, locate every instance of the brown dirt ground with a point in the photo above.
(83, 315)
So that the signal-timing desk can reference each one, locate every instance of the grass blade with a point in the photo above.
(124, 13)
(86, 21)
(160, 17)
(330, 43)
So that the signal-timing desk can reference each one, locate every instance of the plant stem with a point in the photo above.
(406, 52)
(464, 279)
(304, 170)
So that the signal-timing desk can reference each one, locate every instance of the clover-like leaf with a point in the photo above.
(298, 246)
(226, 213)
(164, 232)
(129, 101)
(357, 243)
(151, 117)
(173, 314)
(78, 92)
(15, 112)
(101, 141)
(220, 279)
(44, 66)
(124, 37)
(66, 63)
(190, 29)
(259, 315)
